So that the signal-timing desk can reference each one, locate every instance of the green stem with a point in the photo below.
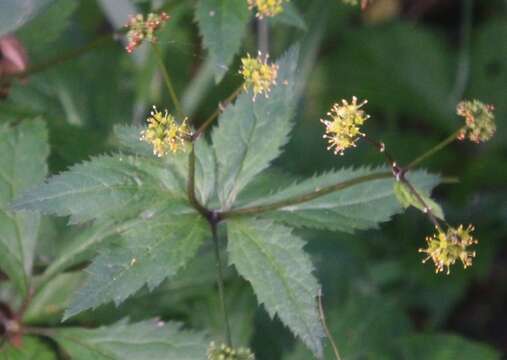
(303, 198)
(167, 79)
(220, 281)
(434, 149)
(326, 329)
(70, 55)
(217, 112)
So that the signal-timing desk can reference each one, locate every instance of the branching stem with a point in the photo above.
(434, 150)
(206, 124)
(254, 210)
(326, 329)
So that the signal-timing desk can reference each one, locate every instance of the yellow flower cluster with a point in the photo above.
(224, 352)
(267, 7)
(479, 119)
(445, 248)
(258, 74)
(165, 134)
(343, 129)
(140, 29)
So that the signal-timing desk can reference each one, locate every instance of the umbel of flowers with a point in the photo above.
(141, 28)
(479, 120)
(343, 129)
(267, 8)
(447, 247)
(258, 74)
(224, 352)
(165, 134)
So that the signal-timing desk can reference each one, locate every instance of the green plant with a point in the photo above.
(149, 209)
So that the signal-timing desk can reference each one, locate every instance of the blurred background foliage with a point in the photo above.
(413, 60)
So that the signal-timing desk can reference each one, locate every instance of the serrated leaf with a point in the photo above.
(361, 206)
(106, 186)
(31, 348)
(147, 254)
(407, 198)
(205, 178)
(251, 134)
(151, 339)
(49, 24)
(445, 347)
(23, 153)
(222, 25)
(272, 259)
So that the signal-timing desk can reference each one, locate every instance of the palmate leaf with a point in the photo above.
(23, 153)
(361, 206)
(222, 24)
(152, 340)
(149, 252)
(251, 133)
(272, 259)
(115, 186)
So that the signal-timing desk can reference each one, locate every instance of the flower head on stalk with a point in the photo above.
(266, 8)
(224, 352)
(165, 134)
(343, 129)
(479, 120)
(141, 28)
(445, 248)
(258, 74)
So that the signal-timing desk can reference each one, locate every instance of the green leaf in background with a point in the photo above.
(32, 348)
(407, 198)
(272, 259)
(48, 25)
(444, 347)
(15, 13)
(361, 206)
(488, 71)
(105, 186)
(251, 134)
(222, 25)
(147, 254)
(154, 340)
(23, 153)
(50, 301)
(364, 327)
(290, 16)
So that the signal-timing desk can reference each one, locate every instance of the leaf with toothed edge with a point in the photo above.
(358, 207)
(147, 254)
(222, 25)
(258, 129)
(151, 339)
(272, 259)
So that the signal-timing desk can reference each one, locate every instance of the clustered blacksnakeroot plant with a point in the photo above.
(170, 189)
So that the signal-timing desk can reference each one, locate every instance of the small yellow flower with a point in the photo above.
(479, 119)
(343, 129)
(445, 248)
(140, 29)
(224, 352)
(165, 134)
(258, 74)
(267, 8)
